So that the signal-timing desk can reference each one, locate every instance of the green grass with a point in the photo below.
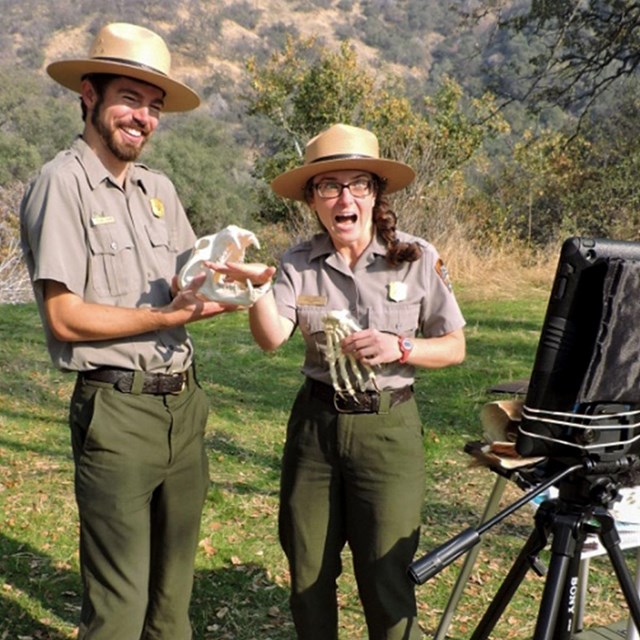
(241, 584)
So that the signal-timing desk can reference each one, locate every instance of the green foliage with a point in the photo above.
(401, 28)
(305, 88)
(207, 167)
(588, 48)
(537, 181)
(555, 184)
(33, 125)
(18, 159)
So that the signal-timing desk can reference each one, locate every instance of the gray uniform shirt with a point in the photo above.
(109, 246)
(414, 299)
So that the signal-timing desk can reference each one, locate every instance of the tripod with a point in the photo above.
(580, 509)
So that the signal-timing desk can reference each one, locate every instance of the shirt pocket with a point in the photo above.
(310, 322)
(400, 319)
(163, 246)
(310, 319)
(114, 270)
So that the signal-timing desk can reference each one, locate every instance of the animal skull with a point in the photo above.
(228, 245)
(337, 326)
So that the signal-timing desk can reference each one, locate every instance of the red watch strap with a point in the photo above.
(405, 350)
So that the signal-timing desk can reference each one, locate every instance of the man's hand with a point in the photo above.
(187, 300)
(73, 320)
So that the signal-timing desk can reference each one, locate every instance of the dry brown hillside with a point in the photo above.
(225, 52)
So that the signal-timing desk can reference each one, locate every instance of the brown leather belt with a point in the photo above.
(125, 380)
(360, 401)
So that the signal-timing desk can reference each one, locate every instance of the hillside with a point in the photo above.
(514, 183)
(212, 41)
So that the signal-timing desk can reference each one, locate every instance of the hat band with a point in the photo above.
(343, 156)
(130, 63)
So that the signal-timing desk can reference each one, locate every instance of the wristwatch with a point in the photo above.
(406, 346)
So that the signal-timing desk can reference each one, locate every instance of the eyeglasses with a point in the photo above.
(359, 188)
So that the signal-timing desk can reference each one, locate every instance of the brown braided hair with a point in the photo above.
(384, 220)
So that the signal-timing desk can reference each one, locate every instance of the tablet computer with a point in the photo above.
(582, 398)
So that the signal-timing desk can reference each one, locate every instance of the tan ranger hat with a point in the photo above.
(342, 147)
(128, 50)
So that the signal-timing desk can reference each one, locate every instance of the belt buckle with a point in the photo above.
(183, 384)
(344, 402)
(337, 397)
(124, 383)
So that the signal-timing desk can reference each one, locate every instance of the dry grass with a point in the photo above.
(498, 273)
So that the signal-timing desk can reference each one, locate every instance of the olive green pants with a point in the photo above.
(140, 478)
(355, 479)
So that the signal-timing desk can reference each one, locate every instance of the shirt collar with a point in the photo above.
(376, 247)
(96, 172)
(136, 175)
(321, 245)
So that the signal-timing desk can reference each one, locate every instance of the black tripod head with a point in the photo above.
(598, 483)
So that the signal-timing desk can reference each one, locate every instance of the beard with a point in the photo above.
(121, 150)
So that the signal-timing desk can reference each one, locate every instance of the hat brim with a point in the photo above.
(396, 175)
(69, 73)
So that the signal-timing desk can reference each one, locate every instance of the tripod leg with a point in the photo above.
(536, 542)
(467, 567)
(611, 542)
(632, 630)
(583, 579)
(560, 597)
(554, 621)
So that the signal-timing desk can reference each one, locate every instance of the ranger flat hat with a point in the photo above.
(342, 147)
(128, 50)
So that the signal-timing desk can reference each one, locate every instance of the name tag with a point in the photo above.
(312, 301)
(98, 219)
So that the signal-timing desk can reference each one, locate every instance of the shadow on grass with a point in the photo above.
(225, 443)
(233, 602)
(29, 575)
(47, 448)
(15, 623)
(240, 602)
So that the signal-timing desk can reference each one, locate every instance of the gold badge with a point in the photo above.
(157, 207)
(397, 291)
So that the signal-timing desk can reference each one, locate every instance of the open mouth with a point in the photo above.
(347, 217)
(133, 134)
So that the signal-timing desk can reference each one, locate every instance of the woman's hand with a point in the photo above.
(256, 272)
(376, 347)
(372, 347)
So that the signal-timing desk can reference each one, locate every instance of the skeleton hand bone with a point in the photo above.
(337, 325)
(228, 245)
